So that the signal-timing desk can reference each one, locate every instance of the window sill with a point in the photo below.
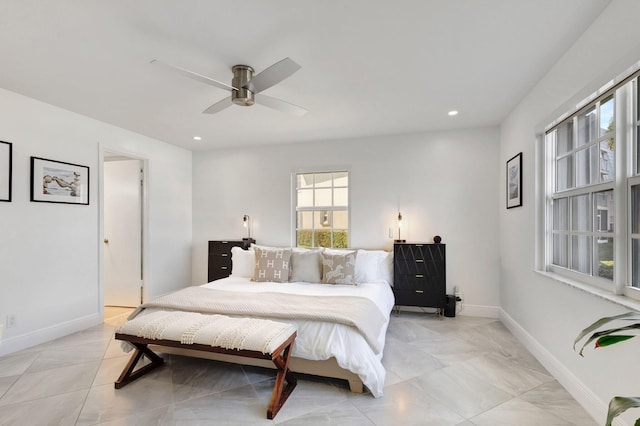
(621, 300)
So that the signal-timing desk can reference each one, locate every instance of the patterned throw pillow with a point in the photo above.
(272, 265)
(339, 268)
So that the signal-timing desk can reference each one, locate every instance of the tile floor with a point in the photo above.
(461, 371)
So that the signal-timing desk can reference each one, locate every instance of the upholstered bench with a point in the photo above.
(247, 337)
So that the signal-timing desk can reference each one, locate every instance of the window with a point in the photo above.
(591, 204)
(634, 191)
(322, 209)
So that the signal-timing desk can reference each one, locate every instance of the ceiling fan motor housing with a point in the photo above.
(241, 76)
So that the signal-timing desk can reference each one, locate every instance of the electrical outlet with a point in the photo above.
(11, 321)
(390, 233)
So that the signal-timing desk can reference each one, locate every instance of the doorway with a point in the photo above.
(123, 274)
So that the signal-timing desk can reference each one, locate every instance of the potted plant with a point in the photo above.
(608, 337)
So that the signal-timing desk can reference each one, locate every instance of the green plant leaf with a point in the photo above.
(611, 331)
(629, 316)
(619, 405)
(610, 340)
(637, 423)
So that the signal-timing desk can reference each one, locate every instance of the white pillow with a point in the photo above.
(243, 262)
(373, 266)
(385, 268)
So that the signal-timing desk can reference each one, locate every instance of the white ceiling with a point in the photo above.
(369, 67)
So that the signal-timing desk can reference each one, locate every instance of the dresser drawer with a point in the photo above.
(219, 247)
(408, 267)
(220, 258)
(416, 298)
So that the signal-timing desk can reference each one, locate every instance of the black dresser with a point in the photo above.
(419, 275)
(220, 257)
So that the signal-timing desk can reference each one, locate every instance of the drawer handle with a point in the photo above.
(419, 291)
(224, 267)
(224, 255)
(419, 261)
(419, 276)
(224, 242)
(419, 245)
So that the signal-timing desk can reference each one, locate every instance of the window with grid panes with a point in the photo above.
(322, 209)
(584, 189)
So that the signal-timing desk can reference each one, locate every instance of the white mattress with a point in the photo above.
(321, 340)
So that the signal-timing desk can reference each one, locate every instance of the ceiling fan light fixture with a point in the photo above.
(247, 86)
(242, 96)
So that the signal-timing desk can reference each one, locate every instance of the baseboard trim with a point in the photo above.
(581, 393)
(479, 311)
(24, 341)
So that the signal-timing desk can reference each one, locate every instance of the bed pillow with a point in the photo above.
(385, 268)
(243, 262)
(374, 266)
(272, 264)
(306, 265)
(338, 267)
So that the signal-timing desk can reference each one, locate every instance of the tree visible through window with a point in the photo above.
(322, 209)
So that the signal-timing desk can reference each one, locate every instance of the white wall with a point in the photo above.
(444, 182)
(49, 253)
(546, 314)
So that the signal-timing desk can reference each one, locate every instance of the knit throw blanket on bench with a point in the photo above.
(357, 312)
(250, 334)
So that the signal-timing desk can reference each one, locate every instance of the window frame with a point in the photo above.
(295, 209)
(626, 174)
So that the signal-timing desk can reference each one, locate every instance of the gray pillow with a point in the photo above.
(306, 266)
(272, 265)
(339, 268)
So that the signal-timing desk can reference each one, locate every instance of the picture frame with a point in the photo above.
(6, 172)
(514, 181)
(59, 182)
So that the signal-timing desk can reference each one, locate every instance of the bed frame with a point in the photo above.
(324, 368)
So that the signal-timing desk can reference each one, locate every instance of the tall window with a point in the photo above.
(322, 209)
(585, 188)
(634, 185)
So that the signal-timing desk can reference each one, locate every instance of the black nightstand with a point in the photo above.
(220, 257)
(419, 275)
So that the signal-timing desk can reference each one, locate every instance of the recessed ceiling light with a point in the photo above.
(452, 113)
(197, 138)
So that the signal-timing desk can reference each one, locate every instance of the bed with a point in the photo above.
(341, 327)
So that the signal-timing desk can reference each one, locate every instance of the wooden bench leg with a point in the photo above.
(280, 392)
(128, 375)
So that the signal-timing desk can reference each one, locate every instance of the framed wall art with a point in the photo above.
(59, 182)
(514, 181)
(6, 152)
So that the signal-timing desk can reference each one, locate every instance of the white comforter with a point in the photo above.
(321, 340)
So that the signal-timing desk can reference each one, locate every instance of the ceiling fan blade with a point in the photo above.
(280, 105)
(194, 75)
(219, 106)
(272, 75)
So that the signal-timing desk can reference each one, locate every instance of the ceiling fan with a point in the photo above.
(246, 87)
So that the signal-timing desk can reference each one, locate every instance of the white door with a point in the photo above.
(122, 233)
